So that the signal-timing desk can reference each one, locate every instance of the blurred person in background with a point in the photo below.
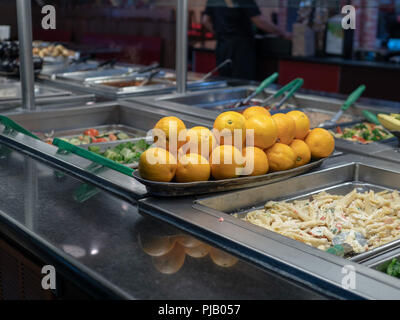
(232, 23)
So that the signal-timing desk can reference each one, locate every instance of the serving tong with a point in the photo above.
(353, 97)
(290, 88)
(341, 248)
(207, 75)
(266, 83)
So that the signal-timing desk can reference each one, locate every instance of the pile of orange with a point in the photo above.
(252, 143)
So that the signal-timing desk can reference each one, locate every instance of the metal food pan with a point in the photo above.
(393, 141)
(380, 262)
(106, 145)
(156, 83)
(336, 180)
(215, 100)
(97, 74)
(131, 132)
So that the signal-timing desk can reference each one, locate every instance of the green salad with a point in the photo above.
(394, 268)
(124, 153)
(364, 132)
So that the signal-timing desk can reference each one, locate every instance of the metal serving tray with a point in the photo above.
(54, 69)
(12, 91)
(391, 141)
(107, 145)
(174, 189)
(98, 74)
(337, 180)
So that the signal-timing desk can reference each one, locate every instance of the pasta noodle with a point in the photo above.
(318, 220)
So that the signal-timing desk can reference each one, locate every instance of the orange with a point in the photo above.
(230, 126)
(286, 128)
(170, 133)
(256, 161)
(302, 123)
(252, 111)
(281, 157)
(302, 151)
(321, 143)
(192, 167)
(222, 259)
(157, 164)
(226, 162)
(199, 140)
(265, 130)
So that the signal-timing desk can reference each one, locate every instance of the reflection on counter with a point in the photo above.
(169, 252)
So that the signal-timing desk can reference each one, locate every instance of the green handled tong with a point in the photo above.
(64, 145)
(10, 124)
(291, 88)
(266, 83)
(348, 103)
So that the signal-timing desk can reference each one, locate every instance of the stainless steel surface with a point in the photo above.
(13, 91)
(24, 16)
(288, 257)
(380, 261)
(332, 122)
(182, 14)
(109, 113)
(51, 70)
(45, 97)
(175, 189)
(391, 154)
(95, 75)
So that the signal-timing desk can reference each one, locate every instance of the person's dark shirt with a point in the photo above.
(232, 21)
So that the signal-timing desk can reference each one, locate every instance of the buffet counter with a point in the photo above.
(106, 249)
(107, 235)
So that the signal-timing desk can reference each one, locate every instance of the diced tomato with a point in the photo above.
(339, 130)
(112, 137)
(91, 132)
(359, 139)
(99, 140)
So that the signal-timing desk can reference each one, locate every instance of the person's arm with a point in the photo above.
(207, 23)
(262, 23)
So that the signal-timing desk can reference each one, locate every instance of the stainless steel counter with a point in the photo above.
(105, 241)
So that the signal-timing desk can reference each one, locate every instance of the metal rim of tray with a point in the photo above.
(173, 189)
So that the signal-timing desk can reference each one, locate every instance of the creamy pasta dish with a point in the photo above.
(318, 220)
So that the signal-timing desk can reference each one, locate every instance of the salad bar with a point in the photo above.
(140, 182)
(333, 210)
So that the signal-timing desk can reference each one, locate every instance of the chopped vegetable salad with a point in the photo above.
(363, 132)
